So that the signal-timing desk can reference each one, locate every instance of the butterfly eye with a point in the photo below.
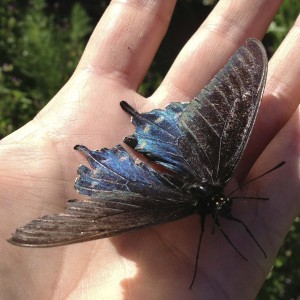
(196, 190)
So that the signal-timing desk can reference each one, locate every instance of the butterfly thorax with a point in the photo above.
(210, 199)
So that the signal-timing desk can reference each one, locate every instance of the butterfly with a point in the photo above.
(199, 144)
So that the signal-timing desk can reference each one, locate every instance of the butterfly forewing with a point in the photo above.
(104, 215)
(217, 124)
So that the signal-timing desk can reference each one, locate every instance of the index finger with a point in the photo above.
(126, 39)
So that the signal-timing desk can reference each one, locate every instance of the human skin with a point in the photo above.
(38, 165)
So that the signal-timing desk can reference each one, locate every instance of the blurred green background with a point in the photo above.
(41, 42)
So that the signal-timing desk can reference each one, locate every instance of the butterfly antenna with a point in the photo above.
(265, 173)
(250, 233)
(229, 241)
(256, 198)
(198, 250)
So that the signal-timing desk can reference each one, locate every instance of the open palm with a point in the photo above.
(38, 166)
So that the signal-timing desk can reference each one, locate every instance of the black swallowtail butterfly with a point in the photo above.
(200, 142)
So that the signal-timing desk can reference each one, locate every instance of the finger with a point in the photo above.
(281, 96)
(281, 186)
(126, 39)
(283, 85)
(226, 28)
(270, 220)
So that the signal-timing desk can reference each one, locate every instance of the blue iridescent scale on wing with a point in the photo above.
(124, 195)
(115, 170)
(204, 139)
(157, 135)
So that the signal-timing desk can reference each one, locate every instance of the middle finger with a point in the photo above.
(229, 24)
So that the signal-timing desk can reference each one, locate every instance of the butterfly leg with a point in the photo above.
(228, 239)
(202, 220)
(249, 232)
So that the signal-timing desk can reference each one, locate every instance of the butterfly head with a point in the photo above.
(210, 199)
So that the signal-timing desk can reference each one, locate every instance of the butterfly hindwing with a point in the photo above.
(157, 134)
(115, 170)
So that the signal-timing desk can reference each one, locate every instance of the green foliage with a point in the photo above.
(283, 280)
(151, 83)
(38, 56)
(283, 21)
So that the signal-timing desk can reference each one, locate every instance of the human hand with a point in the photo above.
(38, 164)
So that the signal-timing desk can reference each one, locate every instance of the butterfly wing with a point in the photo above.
(124, 196)
(205, 139)
(218, 123)
(103, 215)
(157, 134)
(115, 170)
